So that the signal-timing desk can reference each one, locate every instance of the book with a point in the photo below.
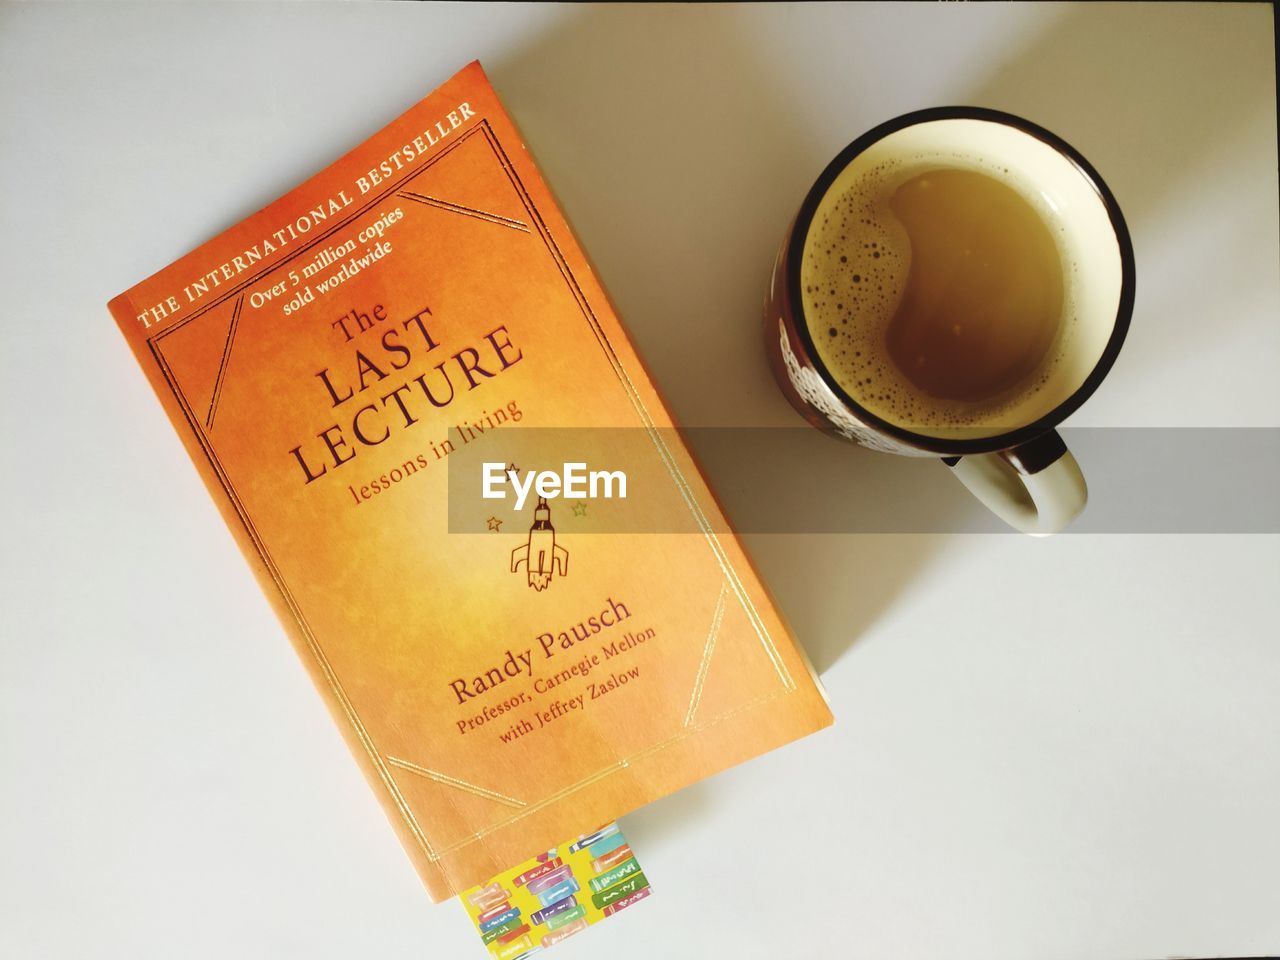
(504, 680)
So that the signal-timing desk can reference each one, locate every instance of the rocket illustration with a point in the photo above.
(540, 556)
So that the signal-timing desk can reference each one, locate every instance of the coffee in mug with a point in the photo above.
(956, 283)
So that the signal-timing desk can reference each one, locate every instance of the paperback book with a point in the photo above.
(519, 680)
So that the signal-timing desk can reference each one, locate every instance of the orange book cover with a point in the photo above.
(323, 362)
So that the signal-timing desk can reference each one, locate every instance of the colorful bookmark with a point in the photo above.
(542, 901)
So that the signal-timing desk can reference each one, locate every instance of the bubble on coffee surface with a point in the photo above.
(854, 276)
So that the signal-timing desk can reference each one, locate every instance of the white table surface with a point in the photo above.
(1063, 748)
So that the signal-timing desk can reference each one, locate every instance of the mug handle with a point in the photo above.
(1035, 487)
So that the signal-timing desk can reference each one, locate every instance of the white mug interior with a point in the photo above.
(1068, 201)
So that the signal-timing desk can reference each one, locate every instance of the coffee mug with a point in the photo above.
(957, 282)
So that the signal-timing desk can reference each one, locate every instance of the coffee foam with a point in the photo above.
(853, 274)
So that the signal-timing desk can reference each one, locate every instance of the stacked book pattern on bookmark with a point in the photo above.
(558, 893)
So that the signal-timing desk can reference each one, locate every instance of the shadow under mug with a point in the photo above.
(1018, 466)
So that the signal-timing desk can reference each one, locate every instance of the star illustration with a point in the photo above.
(579, 509)
(494, 524)
(512, 468)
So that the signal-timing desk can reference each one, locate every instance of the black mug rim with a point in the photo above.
(1124, 309)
